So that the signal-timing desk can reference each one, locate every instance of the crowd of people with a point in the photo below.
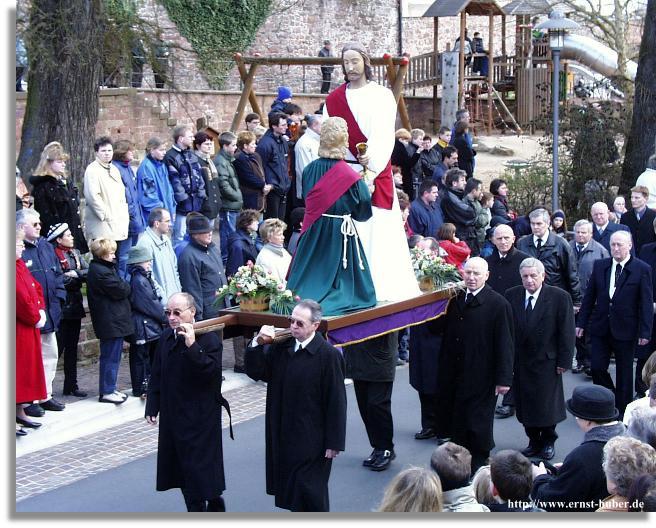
(144, 252)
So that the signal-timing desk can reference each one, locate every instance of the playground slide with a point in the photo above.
(595, 55)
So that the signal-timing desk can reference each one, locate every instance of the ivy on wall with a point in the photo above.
(218, 28)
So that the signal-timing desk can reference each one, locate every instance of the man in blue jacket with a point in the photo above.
(41, 259)
(186, 179)
(273, 149)
(425, 213)
(617, 311)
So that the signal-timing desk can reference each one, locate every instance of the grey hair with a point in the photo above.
(540, 213)
(315, 309)
(23, 214)
(531, 262)
(651, 162)
(496, 227)
(187, 297)
(625, 234)
(582, 222)
(311, 119)
(626, 458)
(642, 425)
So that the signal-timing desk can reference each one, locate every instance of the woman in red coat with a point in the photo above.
(457, 250)
(30, 316)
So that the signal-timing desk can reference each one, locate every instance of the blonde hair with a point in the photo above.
(413, 490)
(333, 139)
(100, 247)
(259, 131)
(53, 151)
(482, 484)
(402, 133)
(269, 226)
(244, 138)
(417, 133)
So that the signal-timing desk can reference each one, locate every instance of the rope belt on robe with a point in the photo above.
(348, 230)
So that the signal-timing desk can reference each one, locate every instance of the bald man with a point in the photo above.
(475, 363)
(603, 227)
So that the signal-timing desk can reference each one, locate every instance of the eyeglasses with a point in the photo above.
(298, 322)
(35, 224)
(175, 312)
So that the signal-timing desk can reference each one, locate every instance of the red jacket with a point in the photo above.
(457, 253)
(30, 379)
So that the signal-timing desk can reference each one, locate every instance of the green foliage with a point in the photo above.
(218, 28)
(529, 187)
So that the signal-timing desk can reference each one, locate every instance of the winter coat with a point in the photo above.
(305, 415)
(186, 179)
(472, 364)
(642, 230)
(241, 249)
(109, 301)
(429, 159)
(465, 154)
(184, 390)
(231, 197)
(73, 307)
(543, 342)
(275, 260)
(212, 204)
(58, 201)
(165, 263)
(501, 210)
(425, 343)
(146, 304)
(129, 177)
(154, 187)
(559, 263)
(604, 238)
(462, 500)
(250, 173)
(586, 259)
(372, 360)
(481, 222)
(201, 275)
(43, 264)
(274, 152)
(106, 212)
(504, 272)
(425, 219)
(458, 212)
(30, 379)
(457, 253)
(580, 482)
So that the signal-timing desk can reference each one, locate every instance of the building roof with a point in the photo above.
(447, 8)
(527, 7)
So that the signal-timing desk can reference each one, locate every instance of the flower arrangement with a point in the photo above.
(255, 289)
(432, 268)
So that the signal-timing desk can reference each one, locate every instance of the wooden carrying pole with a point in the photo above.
(246, 93)
(396, 82)
(252, 99)
(490, 74)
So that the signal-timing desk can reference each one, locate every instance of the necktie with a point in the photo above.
(579, 248)
(539, 244)
(601, 232)
(529, 306)
(618, 274)
(469, 297)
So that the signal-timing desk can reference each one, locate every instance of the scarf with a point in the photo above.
(63, 253)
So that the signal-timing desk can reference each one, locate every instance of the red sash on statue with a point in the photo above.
(337, 106)
(330, 188)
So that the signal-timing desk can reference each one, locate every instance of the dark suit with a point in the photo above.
(604, 238)
(642, 230)
(616, 324)
(648, 255)
(544, 341)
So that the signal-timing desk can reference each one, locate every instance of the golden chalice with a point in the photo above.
(367, 175)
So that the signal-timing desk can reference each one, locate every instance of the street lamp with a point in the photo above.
(557, 26)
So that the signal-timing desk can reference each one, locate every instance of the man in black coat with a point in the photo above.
(544, 344)
(273, 148)
(554, 252)
(603, 227)
(580, 483)
(475, 363)
(617, 311)
(455, 208)
(648, 255)
(305, 409)
(640, 219)
(503, 265)
(185, 391)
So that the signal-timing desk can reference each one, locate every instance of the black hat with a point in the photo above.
(56, 230)
(198, 225)
(593, 402)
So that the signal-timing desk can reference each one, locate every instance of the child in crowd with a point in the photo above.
(457, 250)
(487, 201)
(558, 223)
(512, 478)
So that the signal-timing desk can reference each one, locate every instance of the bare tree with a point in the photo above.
(641, 141)
(64, 42)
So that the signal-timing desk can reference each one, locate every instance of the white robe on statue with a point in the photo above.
(383, 237)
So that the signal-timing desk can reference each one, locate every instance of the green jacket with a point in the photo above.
(231, 198)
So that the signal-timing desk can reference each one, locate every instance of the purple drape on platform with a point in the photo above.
(388, 323)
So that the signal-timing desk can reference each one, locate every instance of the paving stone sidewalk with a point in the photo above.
(65, 463)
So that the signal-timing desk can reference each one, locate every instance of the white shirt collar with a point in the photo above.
(305, 343)
(475, 292)
(622, 263)
(603, 227)
(543, 238)
(534, 295)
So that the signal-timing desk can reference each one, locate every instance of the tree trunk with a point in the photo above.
(64, 42)
(640, 144)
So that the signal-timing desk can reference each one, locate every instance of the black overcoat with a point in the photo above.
(305, 415)
(476, 355)
(109, 301)
(185, 390)
(425, 343)
(543, 341)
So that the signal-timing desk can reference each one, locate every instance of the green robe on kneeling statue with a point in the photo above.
(329, 265)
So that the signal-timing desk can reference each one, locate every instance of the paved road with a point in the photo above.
(131, 487)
